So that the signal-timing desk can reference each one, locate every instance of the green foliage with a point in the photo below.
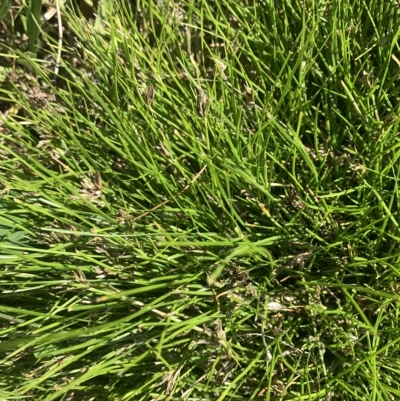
(204, 206)
(33, 24)
(4, 6)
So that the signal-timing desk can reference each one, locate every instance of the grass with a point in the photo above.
(203, 205)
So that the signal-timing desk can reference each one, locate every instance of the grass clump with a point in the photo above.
(203, 205)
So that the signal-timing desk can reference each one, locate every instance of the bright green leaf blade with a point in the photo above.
(33, 24)
(4, 6)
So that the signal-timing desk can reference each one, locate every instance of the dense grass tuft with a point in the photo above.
(203, 205)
